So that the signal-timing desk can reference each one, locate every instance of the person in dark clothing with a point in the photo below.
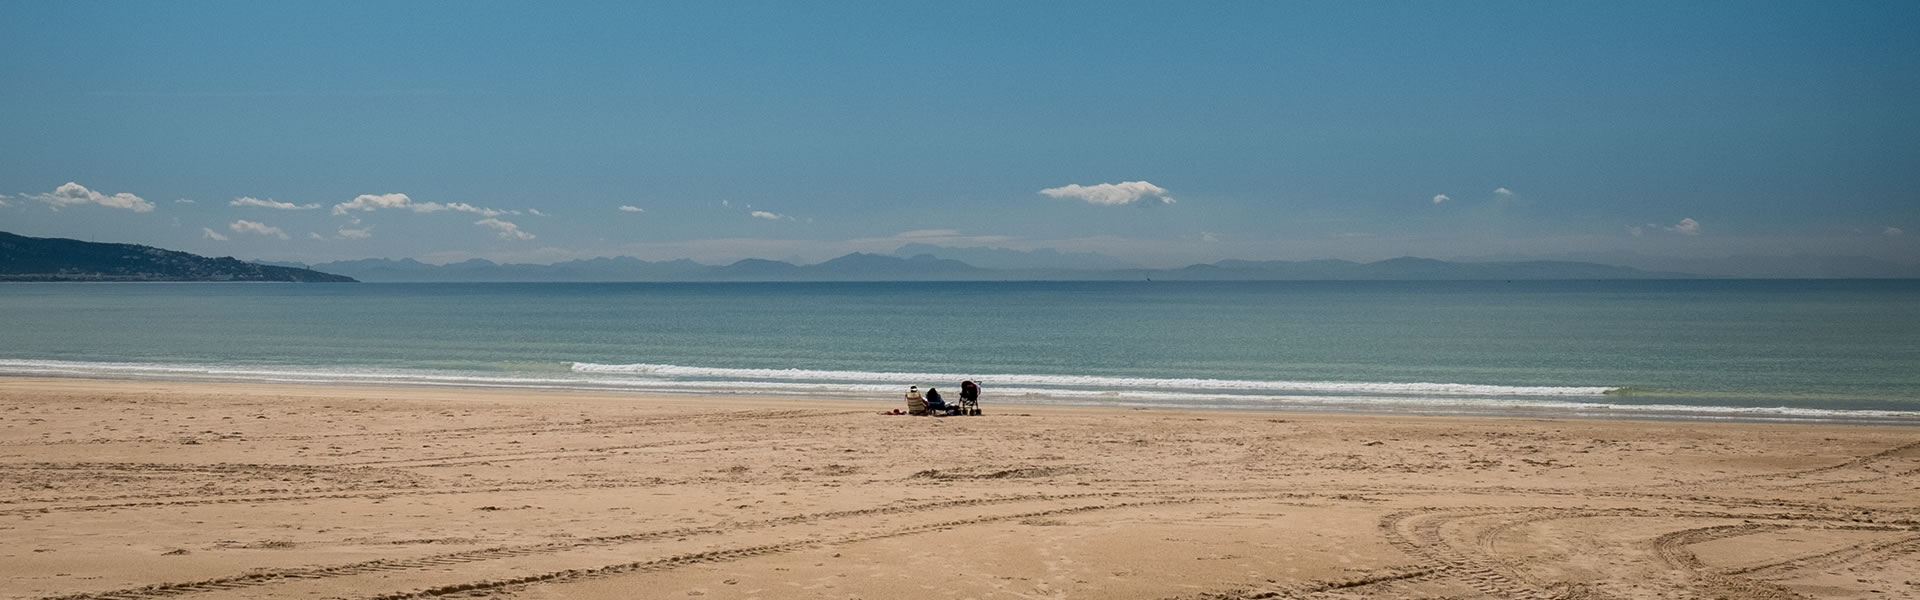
(969, 397)
(935, 405)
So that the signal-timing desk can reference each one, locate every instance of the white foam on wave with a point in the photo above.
(1015, 388)
(1094, 381)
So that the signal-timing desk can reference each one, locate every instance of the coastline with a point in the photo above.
(286, 490)
(1406, 399)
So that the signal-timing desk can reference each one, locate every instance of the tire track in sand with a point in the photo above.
(258, 578)
(269, 577)
(745, 552)
(1266, 590)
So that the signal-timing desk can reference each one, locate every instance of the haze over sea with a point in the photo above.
(1746, 349)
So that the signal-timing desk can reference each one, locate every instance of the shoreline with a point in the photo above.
(1664, 413)
(295, 490)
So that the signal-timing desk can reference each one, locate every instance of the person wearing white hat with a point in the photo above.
(916, 405)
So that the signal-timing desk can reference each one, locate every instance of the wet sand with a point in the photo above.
(118, 489)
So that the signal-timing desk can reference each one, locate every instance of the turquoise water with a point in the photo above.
(1752, 349)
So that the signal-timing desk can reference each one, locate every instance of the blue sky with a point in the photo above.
(518, 131)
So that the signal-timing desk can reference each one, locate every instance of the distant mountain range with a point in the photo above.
(927, 267)
(1003, 258)
(51, 259)
(55, 259)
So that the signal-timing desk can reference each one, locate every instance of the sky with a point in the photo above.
(1166, 133)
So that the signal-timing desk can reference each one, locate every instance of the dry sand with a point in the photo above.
(193, 490)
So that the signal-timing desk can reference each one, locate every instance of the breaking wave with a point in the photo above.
(1089, 381)
(1078, 390)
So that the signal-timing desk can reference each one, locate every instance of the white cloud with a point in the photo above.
(1503, 193)
(270, 203)
(1893, 232)
(632, 209)
(427, 207)
(368, 202)
(3, 199)
(536, 212)
(1685, 227)
(1209, 237)
(1636, 231)
(245, 226)
(184, 201)
(209, 233)
(315, 236)
(372, 202)
(356, 234)
(74, 194)
(1111, 194)
(761, 214)
(1438, 198)
(507, 230)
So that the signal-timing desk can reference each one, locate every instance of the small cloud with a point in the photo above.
(372, 202)
(355, 234)
(1893, 232)
(245, 226)
(209, 233)
(1503, 193)
(462, 207)
(1111, 194)
(1438, 198)
(270, 203)
(1209, 237)
(368, 202)
(632, 209)
(3, 199)
(724, 203)
(184, 201)
(74, 194)
(536, 212)
(1685, 227)
(761, 214)
(1636, 231)
(315, 236)
(507, 230)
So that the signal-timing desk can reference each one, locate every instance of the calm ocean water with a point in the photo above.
(1742, 349)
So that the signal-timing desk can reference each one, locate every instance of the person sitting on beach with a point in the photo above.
(916, 405)
(969, 398)
(935, 405)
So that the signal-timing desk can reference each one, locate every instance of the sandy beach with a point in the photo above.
(130, 489)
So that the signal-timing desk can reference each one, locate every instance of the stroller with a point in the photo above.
(969, 399)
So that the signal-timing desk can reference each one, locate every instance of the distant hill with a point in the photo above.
(1003, 258)
(622, 268)
(55, 259)
(927, 267)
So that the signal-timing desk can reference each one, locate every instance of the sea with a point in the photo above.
(1819, 350)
